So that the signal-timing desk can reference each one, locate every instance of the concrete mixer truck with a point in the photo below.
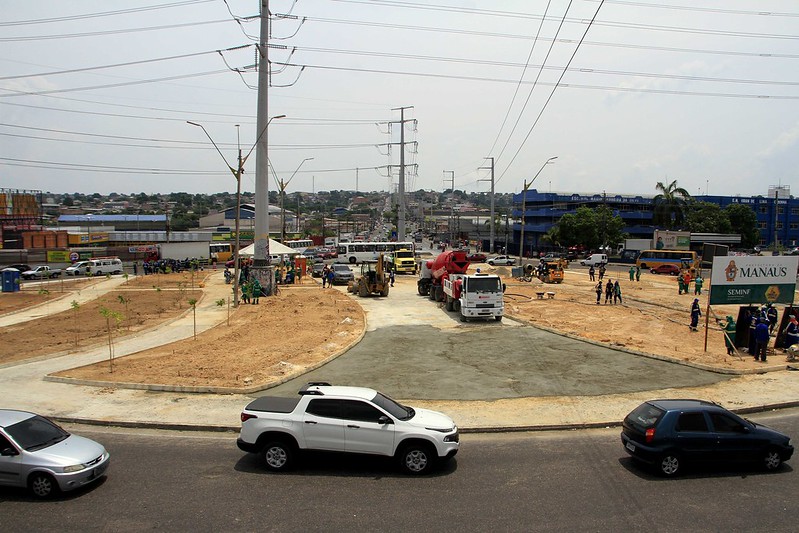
(445, 279)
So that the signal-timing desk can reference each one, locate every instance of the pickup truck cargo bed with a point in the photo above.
(274, 404)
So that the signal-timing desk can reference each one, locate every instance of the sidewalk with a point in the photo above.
(176, 410)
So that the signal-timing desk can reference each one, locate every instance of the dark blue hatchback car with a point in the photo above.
(670, 433)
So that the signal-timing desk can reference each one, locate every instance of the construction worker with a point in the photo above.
(256, 290)
(632, 273)
(771, 314)
(698, 282)
(696, 312)
(729, 335)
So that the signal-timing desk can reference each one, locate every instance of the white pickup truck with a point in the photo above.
(41, 272)
(346, 419)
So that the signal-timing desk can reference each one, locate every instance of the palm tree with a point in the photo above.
(670, 205)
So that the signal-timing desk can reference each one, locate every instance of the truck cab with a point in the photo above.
(475, 296)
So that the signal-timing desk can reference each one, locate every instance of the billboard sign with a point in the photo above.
(672, 240)
(744, 280)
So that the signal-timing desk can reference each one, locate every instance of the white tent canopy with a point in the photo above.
(275, 248)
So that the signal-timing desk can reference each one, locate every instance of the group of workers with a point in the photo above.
(761, 325)
(684, 282)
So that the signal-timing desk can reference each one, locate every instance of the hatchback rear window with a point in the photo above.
(645, 415)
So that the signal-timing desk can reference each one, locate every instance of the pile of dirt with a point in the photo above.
(296, 329)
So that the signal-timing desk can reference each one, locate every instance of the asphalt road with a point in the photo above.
(555, 481)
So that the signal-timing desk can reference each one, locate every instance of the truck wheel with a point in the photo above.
(431, 294)
(385, 291)
(278, 456)
(439, 294)
(417, 459)
(363, 291)
(456, 306)
(498, 318)
(449, 303)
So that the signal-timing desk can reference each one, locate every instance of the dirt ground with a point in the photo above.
(653, 318)
(131, 311)
(259, 346)
(34, 293)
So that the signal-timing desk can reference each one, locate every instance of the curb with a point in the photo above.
(472, 430)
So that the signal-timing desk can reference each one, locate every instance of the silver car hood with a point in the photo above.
(70, 451)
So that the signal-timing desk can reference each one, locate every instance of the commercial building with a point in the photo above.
(777, 214)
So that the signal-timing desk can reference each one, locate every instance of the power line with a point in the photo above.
(103, 13)
(48, 37)
(570, 85)
(551, 94)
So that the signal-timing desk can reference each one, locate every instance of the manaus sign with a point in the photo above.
(753, 280)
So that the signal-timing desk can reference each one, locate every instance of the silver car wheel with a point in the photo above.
(42, 485)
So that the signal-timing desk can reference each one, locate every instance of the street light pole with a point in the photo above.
(237, 172)
(524, 206)
(282, 187)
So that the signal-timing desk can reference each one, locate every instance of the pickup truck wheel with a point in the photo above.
(278, 456)
(417, 459)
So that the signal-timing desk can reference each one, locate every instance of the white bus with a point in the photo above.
(356, 252)
(300, 244)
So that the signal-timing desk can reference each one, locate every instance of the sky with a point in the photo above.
(95, 95)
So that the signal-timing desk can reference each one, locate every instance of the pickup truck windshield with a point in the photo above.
(483, 285)
(396, 410)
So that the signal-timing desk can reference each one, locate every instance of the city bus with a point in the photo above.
(356, 252)
(299, 244)
(680, 258)
(220, 252)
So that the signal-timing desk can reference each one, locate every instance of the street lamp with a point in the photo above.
(282, 186)
(524, 206)
(237, 172)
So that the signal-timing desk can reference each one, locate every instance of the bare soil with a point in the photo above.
(130, 311)
(653, 317)
(296, 329)
(31, 294)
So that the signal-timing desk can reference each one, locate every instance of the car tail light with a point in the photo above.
(247, 416)
(650, 433)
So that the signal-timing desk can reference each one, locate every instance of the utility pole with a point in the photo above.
(261, 268)
(521, 232)
(401, 189)
(451, 205)
(491, 224)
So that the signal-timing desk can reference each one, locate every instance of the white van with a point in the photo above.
(330, 241)
(595, 260)
(78, 269)
(101, 267)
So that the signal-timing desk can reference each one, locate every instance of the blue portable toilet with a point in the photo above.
(10, 278)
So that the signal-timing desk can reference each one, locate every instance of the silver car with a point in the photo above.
(38, 454)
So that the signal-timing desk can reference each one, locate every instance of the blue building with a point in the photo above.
(543, 210)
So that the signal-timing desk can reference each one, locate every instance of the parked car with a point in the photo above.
(342, 274)
(666, 269)
(502, 260)
(326, 253)
(595, 260)
(317, 269)
(38, 454)
(476, 258)
(78, 269)
(670, 433)
(311, 253)
(22, 267)
(346, 419)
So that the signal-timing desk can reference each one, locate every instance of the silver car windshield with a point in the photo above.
(36, 433)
